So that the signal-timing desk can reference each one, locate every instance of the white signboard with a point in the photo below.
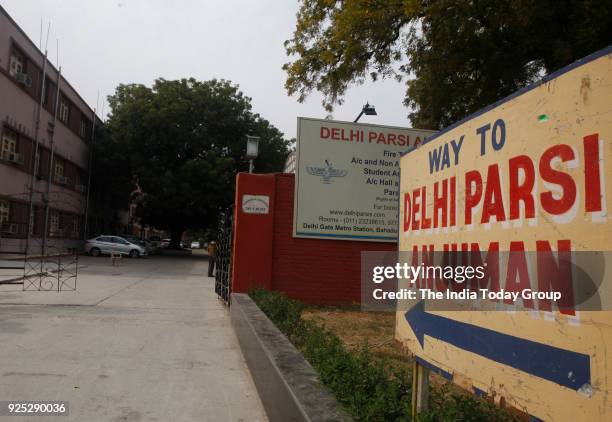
(255, 204)
(347, 179)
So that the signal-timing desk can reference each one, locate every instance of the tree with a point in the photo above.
(456, 55)
(185, 141)
(111, 183)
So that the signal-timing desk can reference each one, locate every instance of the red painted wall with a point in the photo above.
(312, 270)
(253, 235)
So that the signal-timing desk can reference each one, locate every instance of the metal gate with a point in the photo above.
(42, 266)
(58, 270)
(224, 255)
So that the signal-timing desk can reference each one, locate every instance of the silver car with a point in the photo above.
(114, 244)
(138, 241)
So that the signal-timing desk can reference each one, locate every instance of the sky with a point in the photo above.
(103, 43)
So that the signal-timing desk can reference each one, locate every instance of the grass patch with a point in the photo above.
(357, 358)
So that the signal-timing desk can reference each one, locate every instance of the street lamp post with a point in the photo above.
(368, 110)
(252, 150)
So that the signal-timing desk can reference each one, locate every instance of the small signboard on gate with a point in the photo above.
(255, 204)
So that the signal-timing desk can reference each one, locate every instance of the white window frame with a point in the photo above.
(15, 65)
(5, 212)
(64, 110)
(54, 222)
(9, 143)
(58, 170)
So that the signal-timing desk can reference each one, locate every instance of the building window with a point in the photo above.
(4, 212)
(64, 110)
(58, 171)
(83, 128)
(18, 68)
(16, 65)
(54, 220)
(9, 144)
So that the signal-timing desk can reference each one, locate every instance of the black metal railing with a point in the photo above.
(223, 274)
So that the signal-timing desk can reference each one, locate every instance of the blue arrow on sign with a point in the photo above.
(564, 367)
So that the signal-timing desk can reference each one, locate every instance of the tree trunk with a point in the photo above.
(175, 238)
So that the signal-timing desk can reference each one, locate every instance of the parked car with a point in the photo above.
(195, 245)
(164, 243)
(155, 242)
(138, 241)
(105, 245)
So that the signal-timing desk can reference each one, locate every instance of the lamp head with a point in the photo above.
(252, 149)
(369, 110)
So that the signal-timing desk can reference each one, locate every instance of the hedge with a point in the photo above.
(368, 388)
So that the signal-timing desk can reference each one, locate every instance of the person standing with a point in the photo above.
(212, 257)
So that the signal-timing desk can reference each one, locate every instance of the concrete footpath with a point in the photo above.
(145, 341)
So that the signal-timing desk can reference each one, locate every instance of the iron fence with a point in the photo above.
(224, 255)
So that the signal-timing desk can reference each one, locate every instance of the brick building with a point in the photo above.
(54, 158)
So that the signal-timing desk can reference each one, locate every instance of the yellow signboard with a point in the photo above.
(531, 174)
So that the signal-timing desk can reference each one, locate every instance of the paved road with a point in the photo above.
(146, 341)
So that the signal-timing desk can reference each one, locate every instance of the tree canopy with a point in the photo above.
(456, 56)
(183, 141)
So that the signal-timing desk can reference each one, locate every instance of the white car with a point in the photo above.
(195, 245)
(114, 244)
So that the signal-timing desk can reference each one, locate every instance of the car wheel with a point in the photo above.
(134, 253)
(94, 252)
